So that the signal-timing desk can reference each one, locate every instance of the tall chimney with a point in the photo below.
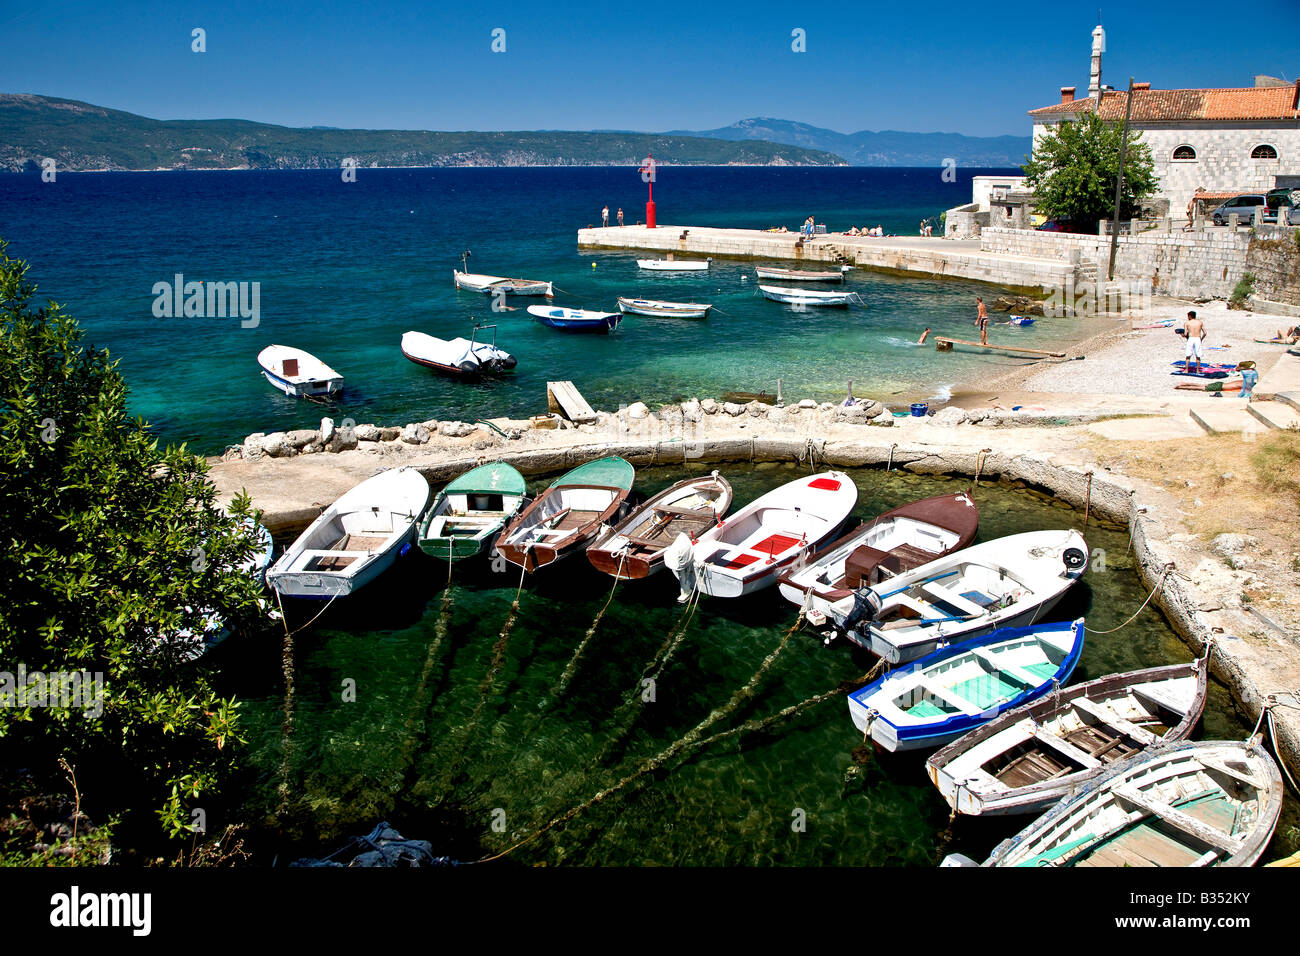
(1098, 48)
(1067, 94)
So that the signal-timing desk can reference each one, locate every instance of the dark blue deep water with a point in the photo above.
(346, 268)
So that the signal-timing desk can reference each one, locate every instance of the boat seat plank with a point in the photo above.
(660, 542)
(708, 513)
(925, 609)
(1011, 670)
(943, 693)
(1113, 720)
(949, 596)
(1178, 819)
(1214, 763)
(1053, 742)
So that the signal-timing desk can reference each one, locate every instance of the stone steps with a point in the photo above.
(1288, 398)
(1227, 419)
(1275, 414)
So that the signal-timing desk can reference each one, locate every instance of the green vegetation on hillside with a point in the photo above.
(79, 136)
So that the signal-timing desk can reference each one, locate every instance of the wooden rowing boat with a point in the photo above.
(795, 275)
(297, 373)
(1208, 803)
(355, 539)
(575, 320)
(492, 285)
(664, 310)
(635, 546)
(470, 512)
(1028, 759)
(1006, 582)
(754, 546)
(896, 541)
(950, 692)
(802, 297)
(567, 515)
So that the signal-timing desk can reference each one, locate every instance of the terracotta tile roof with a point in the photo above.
(1150, 106)
(1219, 194)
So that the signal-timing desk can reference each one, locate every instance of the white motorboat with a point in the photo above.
(674, 265)
(1007, 582)
(759, 542)
(355, 539)
(298, 373)
(461, 357)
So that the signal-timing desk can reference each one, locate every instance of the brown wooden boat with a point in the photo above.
(899, 540)
(635, 547)
(1028, 759)
(566, 515)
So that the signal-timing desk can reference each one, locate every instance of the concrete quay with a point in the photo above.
(932, 258)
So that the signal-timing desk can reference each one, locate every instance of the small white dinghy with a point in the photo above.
(664, 310)
(298, 373)
(355, 539)
(1209, 803)
(1027, 759)
(818, 297)
(1006, 582)
(460, 357)
(491, 285)
(674, 265)
(760, 541)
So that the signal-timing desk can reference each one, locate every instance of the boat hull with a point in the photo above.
(572, 320)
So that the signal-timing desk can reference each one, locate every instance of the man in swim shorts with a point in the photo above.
(982, 320)
(1194, 330)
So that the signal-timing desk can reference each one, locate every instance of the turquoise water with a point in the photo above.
(436, 748)
(345, 269)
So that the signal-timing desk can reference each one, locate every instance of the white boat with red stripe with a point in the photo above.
(753, 547)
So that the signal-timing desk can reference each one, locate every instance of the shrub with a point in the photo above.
(1244, 288)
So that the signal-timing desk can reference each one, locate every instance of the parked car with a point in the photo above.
(1243, 206)
(1065, 225)
(1286, 196)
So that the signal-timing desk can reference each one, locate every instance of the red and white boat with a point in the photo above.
(757, 544)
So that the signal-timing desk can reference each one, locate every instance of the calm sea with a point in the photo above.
(346, 268)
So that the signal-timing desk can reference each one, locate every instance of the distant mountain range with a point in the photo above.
(885, 148)
(80, 136)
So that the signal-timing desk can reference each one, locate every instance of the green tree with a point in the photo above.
(1072, 173)
(113, 553)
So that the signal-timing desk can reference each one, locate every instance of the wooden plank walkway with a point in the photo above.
(564, 397)
(944, 344)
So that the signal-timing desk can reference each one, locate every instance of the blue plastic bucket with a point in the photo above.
(919, 409)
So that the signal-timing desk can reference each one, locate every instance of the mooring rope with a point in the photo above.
(572, 666)
(691, 738)
(1164, 574)
(1087, 504)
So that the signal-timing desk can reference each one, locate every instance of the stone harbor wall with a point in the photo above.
(1191, 265)
(1273, 258)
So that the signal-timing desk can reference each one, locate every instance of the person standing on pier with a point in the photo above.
(982, 320)
(604, 216)
(620, 215)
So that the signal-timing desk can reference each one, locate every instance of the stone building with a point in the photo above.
(1221, 142)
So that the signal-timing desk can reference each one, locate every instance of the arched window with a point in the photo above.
(1263, 151)
(1184, 152)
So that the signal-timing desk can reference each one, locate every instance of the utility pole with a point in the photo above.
(1119, 180)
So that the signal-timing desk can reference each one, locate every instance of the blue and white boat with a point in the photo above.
(944, 695)
(575, 320)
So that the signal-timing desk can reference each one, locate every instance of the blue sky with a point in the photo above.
(934, 65)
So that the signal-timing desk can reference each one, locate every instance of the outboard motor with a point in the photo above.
(677, 558)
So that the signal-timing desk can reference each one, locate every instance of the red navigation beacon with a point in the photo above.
(648, 177)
